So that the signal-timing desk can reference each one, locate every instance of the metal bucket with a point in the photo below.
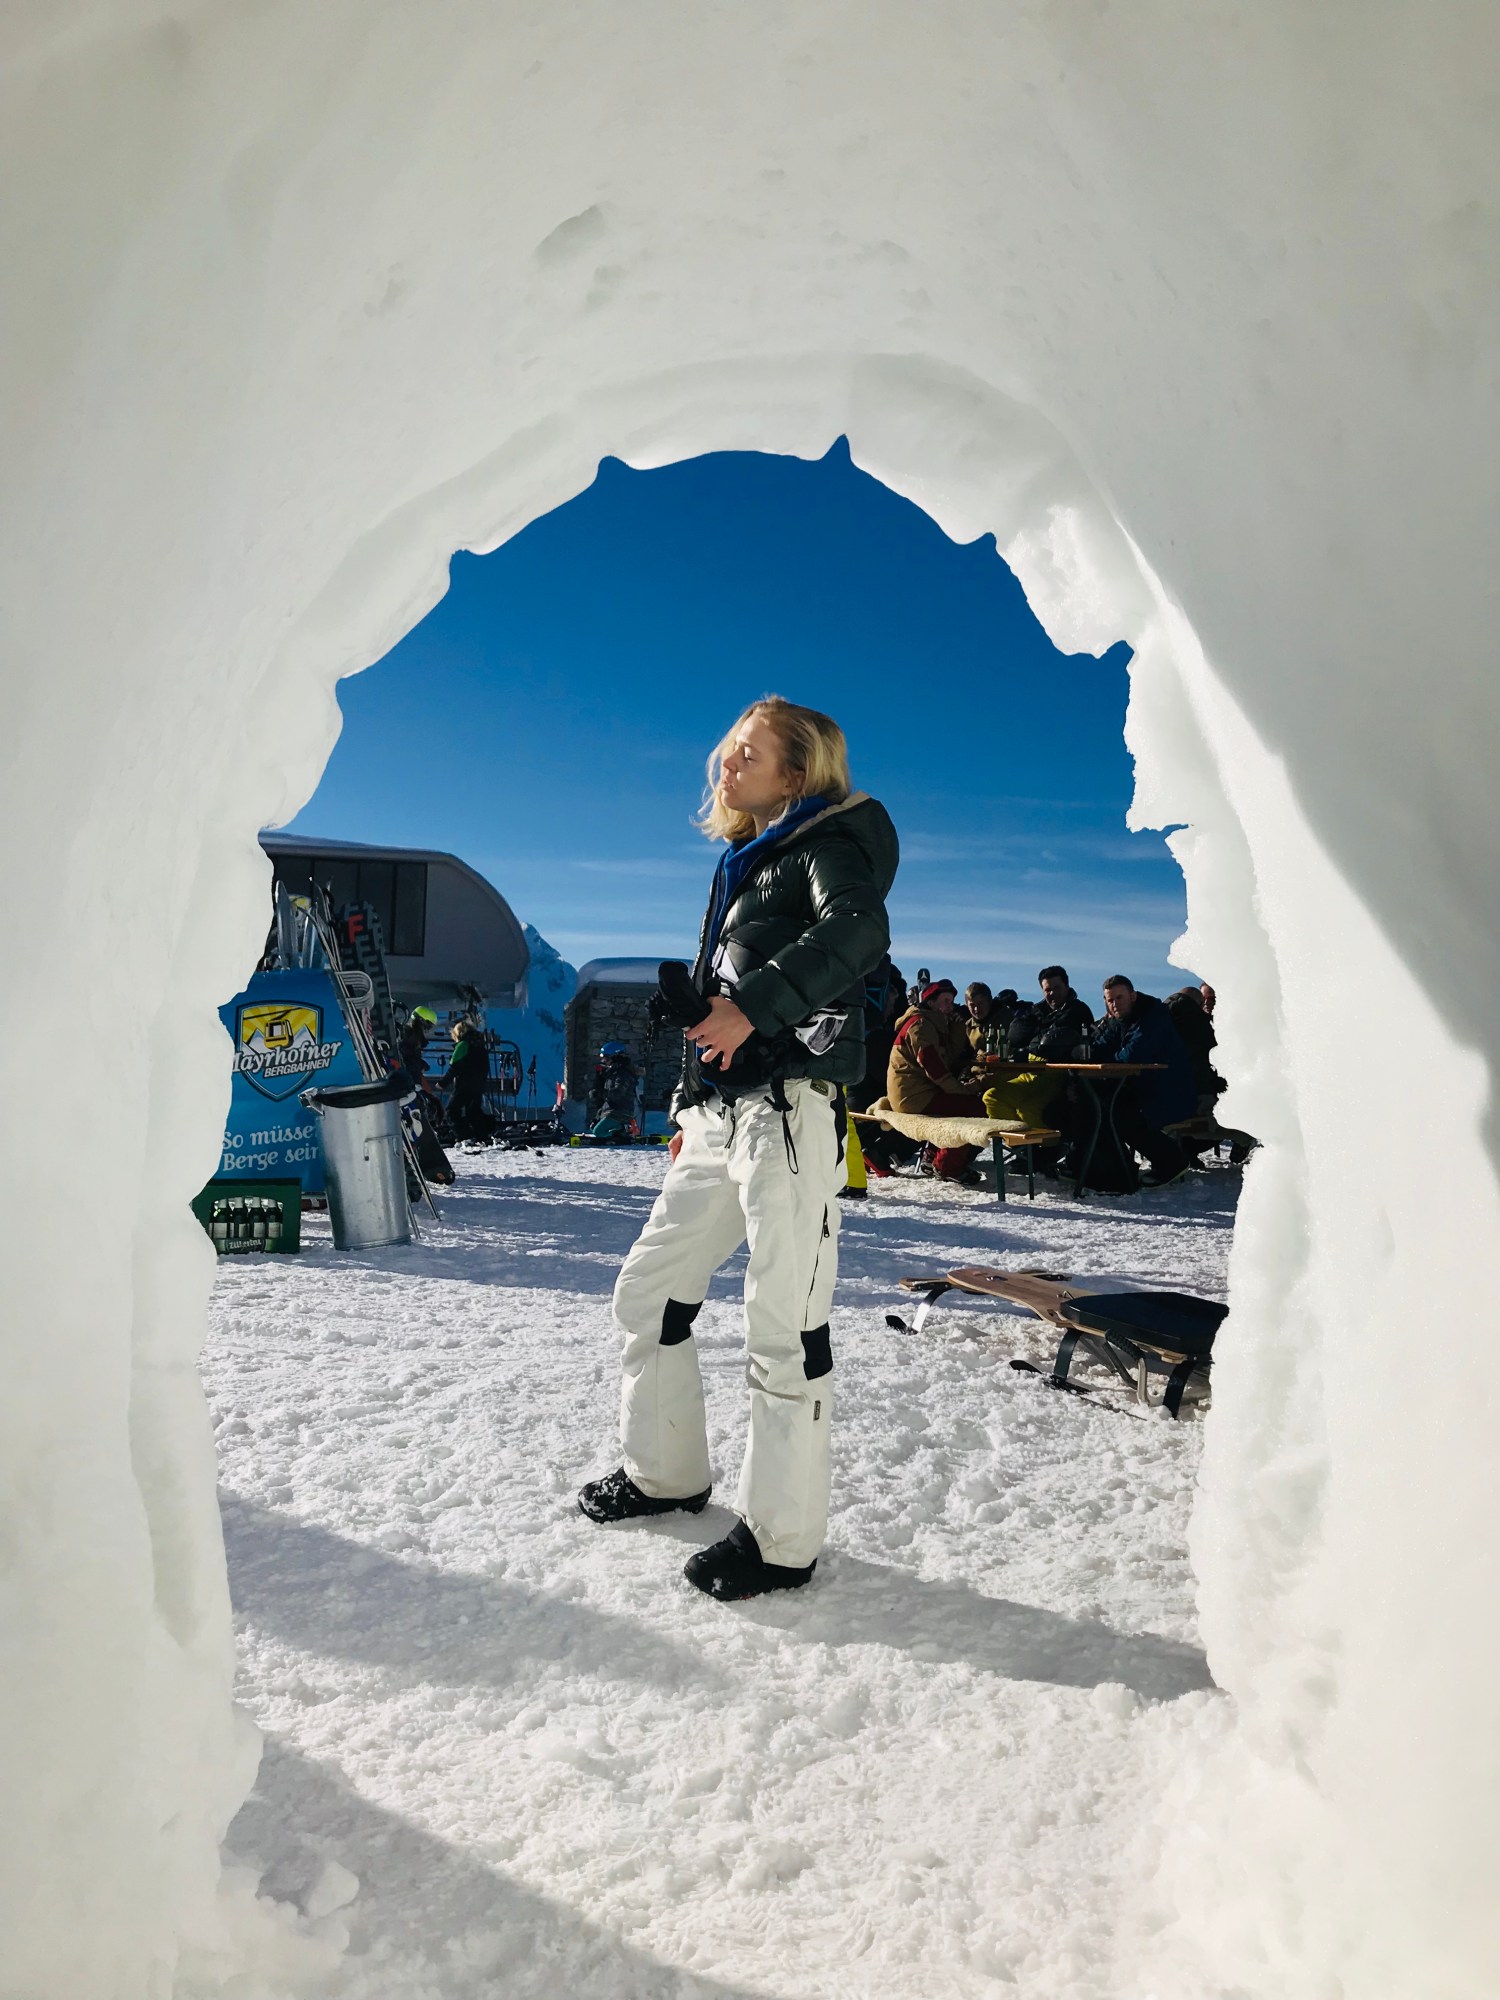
(362, 1152)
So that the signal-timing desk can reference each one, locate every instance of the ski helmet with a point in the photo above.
(424, 1014)
(613, 1049)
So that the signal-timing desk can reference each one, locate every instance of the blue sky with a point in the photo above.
(549, 721)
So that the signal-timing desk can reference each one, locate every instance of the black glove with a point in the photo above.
(676, 1003)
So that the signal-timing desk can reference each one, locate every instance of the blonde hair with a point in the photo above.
(813, 748)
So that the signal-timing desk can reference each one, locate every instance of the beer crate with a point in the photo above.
(246, 1217)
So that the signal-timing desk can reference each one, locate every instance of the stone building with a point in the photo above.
(610, 1005)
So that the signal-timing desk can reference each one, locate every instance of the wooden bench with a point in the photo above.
(1021, 1142)
(1003, 1135)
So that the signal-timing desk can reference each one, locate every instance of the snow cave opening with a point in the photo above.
(306, 299)
(977, 462)
(1079, 576)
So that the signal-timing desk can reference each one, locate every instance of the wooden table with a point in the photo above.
(1091, 1075)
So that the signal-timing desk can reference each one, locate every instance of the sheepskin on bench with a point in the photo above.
(942, 1132)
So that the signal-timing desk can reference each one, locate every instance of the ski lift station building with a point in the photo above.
(444, 927)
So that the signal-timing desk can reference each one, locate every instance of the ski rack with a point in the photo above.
(321, 910)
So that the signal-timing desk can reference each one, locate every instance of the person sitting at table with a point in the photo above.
(1190, 1019)
(1061, 1022)
(985, 1032)
(1050, 1032)
(1191, 1009)
(1138, 1029)
(930, 1073)
(1022, 1018)
(1055, 1026)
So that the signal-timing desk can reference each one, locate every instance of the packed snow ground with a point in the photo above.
(553, 1768)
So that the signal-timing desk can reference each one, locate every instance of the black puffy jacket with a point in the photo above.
(1052, 1033)
(804, 930)
(1196, 1028)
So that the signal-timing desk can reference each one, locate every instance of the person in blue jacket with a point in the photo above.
(1137, 1028)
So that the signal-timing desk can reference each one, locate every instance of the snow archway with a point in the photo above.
(1196, 313)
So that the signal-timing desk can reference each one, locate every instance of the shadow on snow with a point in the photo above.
(558, 1234)
(489, 1931)
(340, 1598)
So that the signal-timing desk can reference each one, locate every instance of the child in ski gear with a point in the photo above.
(795, 924)
(612, 1094)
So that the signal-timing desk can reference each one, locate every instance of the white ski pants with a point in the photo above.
(745, 1172)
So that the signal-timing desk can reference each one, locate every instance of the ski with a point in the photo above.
(359, 1033)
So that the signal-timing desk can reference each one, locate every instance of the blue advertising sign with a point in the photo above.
(289, 1035)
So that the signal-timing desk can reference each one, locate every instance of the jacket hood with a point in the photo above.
(866, 822)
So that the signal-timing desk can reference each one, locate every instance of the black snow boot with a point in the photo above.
(616, 1497)
(735, 1568)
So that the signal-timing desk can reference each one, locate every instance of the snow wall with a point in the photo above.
(1193, 307)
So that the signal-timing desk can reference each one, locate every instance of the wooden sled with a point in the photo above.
(1041, 1291)
(1136, 1333)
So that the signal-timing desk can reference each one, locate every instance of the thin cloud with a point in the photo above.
(922, 850)
(699, 868)
(990, 847)
(578, 947)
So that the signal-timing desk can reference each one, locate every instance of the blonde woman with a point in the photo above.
(795, 922)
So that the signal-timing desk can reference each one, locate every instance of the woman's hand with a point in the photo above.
(722, 1030)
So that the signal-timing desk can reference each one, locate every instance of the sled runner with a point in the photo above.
(1136, 1333)
(1141, 1334)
